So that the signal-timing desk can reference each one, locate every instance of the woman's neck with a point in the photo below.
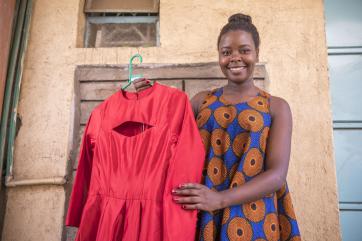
(243, 88)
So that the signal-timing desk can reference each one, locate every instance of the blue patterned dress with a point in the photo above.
(235, 137)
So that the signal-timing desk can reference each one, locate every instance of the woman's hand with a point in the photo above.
(196, 196)
(141, 84)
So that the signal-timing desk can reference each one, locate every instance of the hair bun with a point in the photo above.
(240, 18)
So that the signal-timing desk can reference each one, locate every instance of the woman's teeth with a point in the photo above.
(237, 69)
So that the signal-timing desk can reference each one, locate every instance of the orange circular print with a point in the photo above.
(288, 206)
(254, 211)
(282, 190)
(203, 117)
(224, 101)
(216, 171)
(208, 101)
(285, 227)
(259, 103)
(251, 120)
(226, 215)
(237, 180)
(225, 115)
(253, 163)
(209, 232)
(271, 227)
(233, 170)
(205, 136)
(275, 202)
(220, 141)
(296, 238)
(239, 230)
(241, 143)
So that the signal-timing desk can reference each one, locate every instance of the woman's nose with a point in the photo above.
(235, 57)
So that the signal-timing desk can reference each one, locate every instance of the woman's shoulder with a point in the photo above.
(276, 103)
(279, 106)
(200, 96)
(198, 99)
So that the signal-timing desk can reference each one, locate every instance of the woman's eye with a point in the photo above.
(226, 53)
(245, 51)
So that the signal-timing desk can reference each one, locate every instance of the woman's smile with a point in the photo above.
(236, 70)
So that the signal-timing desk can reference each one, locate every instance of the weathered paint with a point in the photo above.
(34, 213)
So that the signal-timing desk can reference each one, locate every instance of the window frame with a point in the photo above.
(119, 20)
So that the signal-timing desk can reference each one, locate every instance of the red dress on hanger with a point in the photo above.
(136, 148)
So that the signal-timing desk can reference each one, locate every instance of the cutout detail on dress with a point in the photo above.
(131, 128)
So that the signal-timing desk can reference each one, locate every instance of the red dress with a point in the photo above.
(136, 148)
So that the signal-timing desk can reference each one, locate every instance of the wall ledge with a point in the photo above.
(11, 182)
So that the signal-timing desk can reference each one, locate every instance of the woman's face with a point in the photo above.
(237, 56)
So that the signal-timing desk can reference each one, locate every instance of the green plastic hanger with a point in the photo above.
(132, 77)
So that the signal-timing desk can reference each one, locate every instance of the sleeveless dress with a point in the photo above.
(235, 137)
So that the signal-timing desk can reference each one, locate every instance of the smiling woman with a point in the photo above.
(254, 208)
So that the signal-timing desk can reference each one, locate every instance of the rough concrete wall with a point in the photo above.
(293, 47)
(33, 214)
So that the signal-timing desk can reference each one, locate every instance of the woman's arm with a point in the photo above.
(197, 196)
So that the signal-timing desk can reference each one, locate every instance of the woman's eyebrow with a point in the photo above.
(245, 45)
(228, 47)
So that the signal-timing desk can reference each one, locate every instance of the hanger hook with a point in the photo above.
(132, 77)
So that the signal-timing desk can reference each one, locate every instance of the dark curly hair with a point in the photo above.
(242, 22)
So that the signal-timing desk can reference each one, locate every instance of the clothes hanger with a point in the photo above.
(132, 77)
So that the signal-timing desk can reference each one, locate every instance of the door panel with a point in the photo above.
(351, 225)
(344, 22)
(345, 73)
(348, 150)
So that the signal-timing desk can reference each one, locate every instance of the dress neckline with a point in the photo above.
(225, 101)
(136, 96)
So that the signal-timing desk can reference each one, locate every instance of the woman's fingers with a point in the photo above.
(197, 196)
(191, 206)
(191, 196)
(189, 200)
(141, 84)
(186, 192)
(191, 186)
